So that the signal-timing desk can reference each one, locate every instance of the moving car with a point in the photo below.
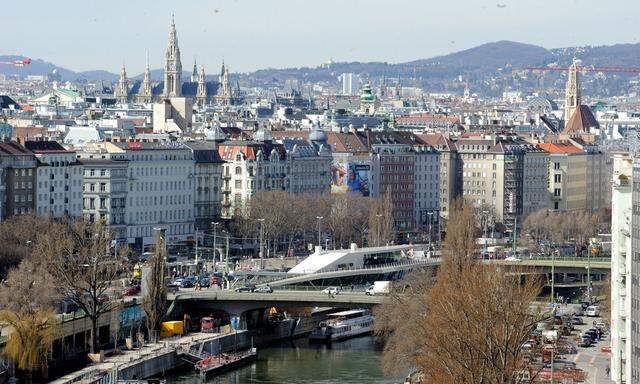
(331, 291)
(378, 288)
(246, 288)
(263, 289)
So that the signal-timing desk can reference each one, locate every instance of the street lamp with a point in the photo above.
(319, 218)
(261, 247)
(378, 229)
(429, 215)
(215, 225)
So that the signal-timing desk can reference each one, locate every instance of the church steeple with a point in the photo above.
(201, 96)
(572, 98)
(172, 65)
(144, 93)
(225, 91)
(194, 73)
(122, 90)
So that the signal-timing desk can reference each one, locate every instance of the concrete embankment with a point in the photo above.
(154, 360)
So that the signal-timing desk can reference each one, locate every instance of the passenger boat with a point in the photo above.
(343, 325)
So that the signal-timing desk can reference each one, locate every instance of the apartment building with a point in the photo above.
(426, 186)
(308, 164)
(104, 190)
(250, 166)
(58, 180)
(450, 175)
(501, 173)
(623, 272)
(17, 179)
(208, 183)
(576, 176)
(393, 168)
(632, 359)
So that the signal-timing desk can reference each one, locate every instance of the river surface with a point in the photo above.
(354, 361)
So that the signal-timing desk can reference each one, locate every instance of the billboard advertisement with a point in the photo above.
(352, 177)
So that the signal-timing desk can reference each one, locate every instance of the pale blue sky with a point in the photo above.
(253, 34)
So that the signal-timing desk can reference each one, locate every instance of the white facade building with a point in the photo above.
(160, 189)
(58, 189)
(622, 317)
(349, 84)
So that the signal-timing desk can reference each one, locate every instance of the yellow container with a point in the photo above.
(171, 328)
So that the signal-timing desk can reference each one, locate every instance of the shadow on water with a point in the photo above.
(353, 361)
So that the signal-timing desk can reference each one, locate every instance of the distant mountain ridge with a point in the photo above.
(480, 66)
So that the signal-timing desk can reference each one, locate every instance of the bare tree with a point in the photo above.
(27, 300)
(381, 224)
(467, 327)
(114, 323)
(461, 232)
(18, 235)
(154, 299)
(84, 264)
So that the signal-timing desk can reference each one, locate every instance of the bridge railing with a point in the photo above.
(402, 263)
(565, 258)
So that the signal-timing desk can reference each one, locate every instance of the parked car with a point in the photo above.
(601, 326)
(585, 341)
(331, 291)
(577, 320)
(246, 288)
(131, 291)
(263, 289)
(188, 282)
(592, 311)
(205, 282)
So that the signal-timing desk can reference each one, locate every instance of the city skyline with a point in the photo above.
(105, 36)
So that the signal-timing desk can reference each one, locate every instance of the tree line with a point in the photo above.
(545, 228)
(290, 222)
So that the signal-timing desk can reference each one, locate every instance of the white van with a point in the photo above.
(592, 311)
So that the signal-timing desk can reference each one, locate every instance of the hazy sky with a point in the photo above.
(253, 34)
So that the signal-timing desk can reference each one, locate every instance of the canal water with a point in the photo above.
(353, 361)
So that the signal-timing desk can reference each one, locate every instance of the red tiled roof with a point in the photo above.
(560, 148)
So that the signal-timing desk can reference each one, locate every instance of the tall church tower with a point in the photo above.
(172, 65)
(225, 92)
(572, 99)
(122, 90)
(201, 96)
(194, 74)
(144, 93)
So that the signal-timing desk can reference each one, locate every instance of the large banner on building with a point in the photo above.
(352, 177)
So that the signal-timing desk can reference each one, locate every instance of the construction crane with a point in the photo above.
(589, 68)
(17, 63)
